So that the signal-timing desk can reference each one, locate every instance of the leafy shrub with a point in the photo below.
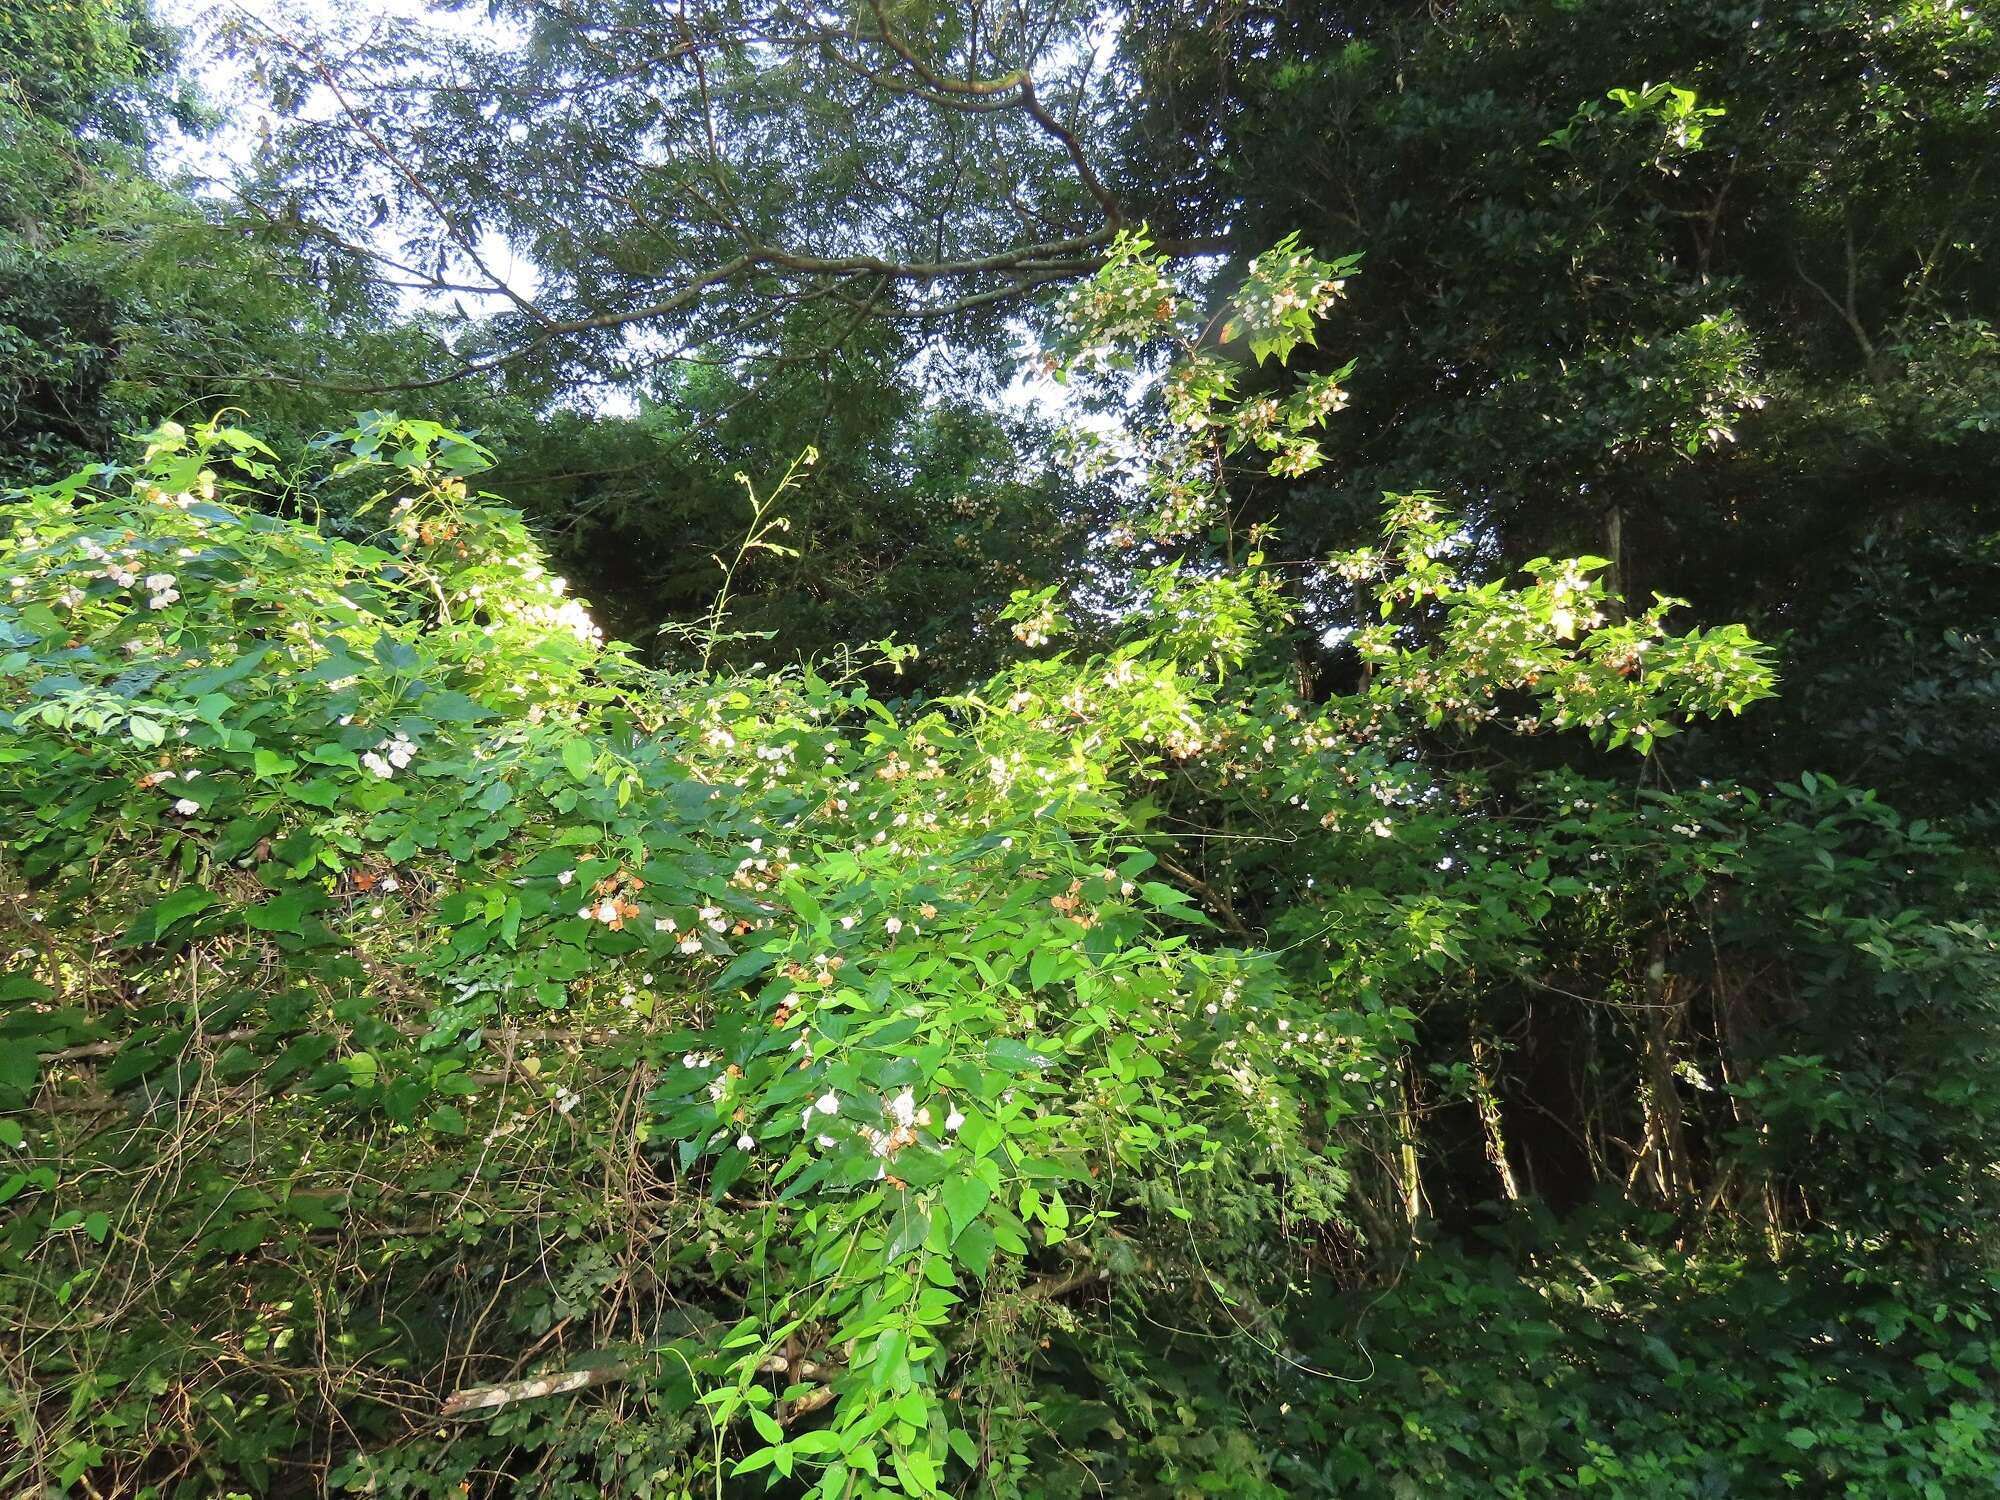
(446, 1057)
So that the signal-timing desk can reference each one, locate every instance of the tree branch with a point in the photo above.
(488, 1397)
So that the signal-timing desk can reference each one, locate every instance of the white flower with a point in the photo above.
(585, 912)
(607, 911)
(187, 807)
(566, 877)
(903, 1107)
(663, 924)
(378, 765)
(162, 598)
(746, 1142)
(159, 583)
(953, 1120)
(689, 944)
(391, 883)
(894, 924)
(827, 1103)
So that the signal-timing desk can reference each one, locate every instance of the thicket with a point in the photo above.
(1118, 963)
(423, 1012)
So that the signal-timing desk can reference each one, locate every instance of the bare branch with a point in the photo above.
(488, 1397)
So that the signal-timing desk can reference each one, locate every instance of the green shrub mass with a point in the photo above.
(445, 1055)
(1124, 964)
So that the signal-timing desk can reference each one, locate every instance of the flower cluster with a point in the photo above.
(390, 755)
(614, 905)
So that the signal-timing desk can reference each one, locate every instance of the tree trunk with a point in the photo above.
(1487, 1098)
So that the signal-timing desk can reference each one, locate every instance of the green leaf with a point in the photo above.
(1011, 1056)
(974, 1248)
(907, 1228)
(963, 1198)
(890, 1359)
(19, 1068)
(1044, 966)
(456, 708)
(283, 913)
(150, 925)
(807, 908)
(727, 1169)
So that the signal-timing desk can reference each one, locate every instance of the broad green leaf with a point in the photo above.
(963, 1198)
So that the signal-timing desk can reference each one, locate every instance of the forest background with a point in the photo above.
(1304, 798)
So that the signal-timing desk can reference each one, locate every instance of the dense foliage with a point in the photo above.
(1404, 909)
(1706, 289)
